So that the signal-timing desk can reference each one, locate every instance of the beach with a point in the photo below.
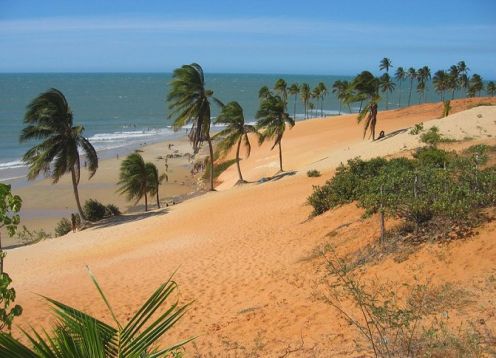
(243, 254)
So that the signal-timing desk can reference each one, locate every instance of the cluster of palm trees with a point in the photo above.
(138, 179)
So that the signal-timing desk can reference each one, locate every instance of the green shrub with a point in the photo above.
(26, 236)
(313, 173)
(419, 127)
(63, 227)
(431, 137)
(94, 210)
(112, 210)
(433, 157)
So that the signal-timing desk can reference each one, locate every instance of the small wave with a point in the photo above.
(12, 165)
(121, 136)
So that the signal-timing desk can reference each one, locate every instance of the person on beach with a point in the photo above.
(73, 222)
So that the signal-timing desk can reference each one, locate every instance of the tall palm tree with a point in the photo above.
(78, 334)
(367, 86)
(272, 119)
(385, 64)
(476, 84)
(281, 87)
(387, 86)
(294, 90)
(50, 119)
(316, 95)
(453, 79)
(343, 91)
(154, 181)
(135, 178)
(491, 89)
(400, 76)
(323, 94)
(440, 82)
(412, 75)
(463, 75)
(305, 94)
(423, 75)
(235, 133)
(189, 102)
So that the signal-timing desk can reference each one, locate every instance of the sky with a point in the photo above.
(251, 36)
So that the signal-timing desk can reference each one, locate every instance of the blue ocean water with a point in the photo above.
(122, 109)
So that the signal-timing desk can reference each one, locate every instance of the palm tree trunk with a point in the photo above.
(211, 149)
(294, 108)
(146, 202)
(280, 156)
(76, 193)
(158, 199)
(339, 107)
(237, 161)
(322, 107)
(410, 94)
(387, 100)
(399, 97)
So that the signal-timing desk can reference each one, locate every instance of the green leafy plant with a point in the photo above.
(64, 226)
(94, 210)
(417, 128)
(112, 210)
(78, 334)
(431, 137)
(313, 173)
(8, 310)
(27, 236)
(10, 205)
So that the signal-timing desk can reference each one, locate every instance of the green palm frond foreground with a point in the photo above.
(80, 335)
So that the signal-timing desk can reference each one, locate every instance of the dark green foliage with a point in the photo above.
(431, 137)
(94, 210)
(8, 311)
(313, 173)
(218, 168)
(63, 227)
(417, 129)
(433, 157)
(10, 205)
(112, 210)
(77, 334)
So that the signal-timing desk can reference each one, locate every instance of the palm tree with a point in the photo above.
(476, 84)
(272, 119)
(491, 89)
(385, 64)
(423, 75)
(400, 76)
(323, 93)
(49, 118)
(440, 81)
(367, 86)
(412, 75)
(235, 132)
(343, 91)
(387, 86)
(189, 102)
(263, 92)
(316, 95)
(294, 90)
(154, 181)
(78, 334)
(281, 87)
(135, 178)
(453, 79)
(463, 75)
(305, 94)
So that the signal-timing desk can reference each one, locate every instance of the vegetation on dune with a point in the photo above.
(77, 334)
(50, 119)
(434, 185)
(313, 173)
(189, 102)
(235, 133)
(63, 227)
(272, 120)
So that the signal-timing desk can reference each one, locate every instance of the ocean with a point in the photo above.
(122, 110)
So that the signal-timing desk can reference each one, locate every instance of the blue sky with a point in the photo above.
(305, 37)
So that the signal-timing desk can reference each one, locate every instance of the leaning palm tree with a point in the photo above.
(263, 92)
(491, 88)
(385, 64)
(50, 119)
(305, 94)
(367, 87)
(78, 334)
(272, 119)
(135, 178)
(189, 102)
(154, 181)
(412, 75)
(400, 76)
(387, 86)
(294, 90)
(281, 88)
(235, 133)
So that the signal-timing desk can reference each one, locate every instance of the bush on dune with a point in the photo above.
(63, 227)
(94, 210)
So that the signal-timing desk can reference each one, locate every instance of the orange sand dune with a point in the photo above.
(242, 253)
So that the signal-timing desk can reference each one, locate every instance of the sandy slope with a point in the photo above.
(242, 253)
